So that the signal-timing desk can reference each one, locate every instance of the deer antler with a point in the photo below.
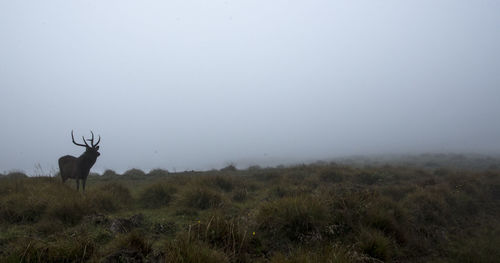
(92, 140)
(73, 138)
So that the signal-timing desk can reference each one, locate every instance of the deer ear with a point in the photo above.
(97, 148)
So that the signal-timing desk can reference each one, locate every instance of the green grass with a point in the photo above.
(307, 213)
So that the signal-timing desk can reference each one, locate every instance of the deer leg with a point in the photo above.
(77, 184)
(83, 183)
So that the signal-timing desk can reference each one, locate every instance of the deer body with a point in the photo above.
(79, 168)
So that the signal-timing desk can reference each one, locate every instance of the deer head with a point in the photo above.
(91, 149)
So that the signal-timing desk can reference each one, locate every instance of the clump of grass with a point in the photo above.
(266, 175)
(240, 195)
(230, 234)
(347, 206)
(368, 178)
(226, 184)
(48, 226)
(130, 247)
(118, 191)
(61, 248)
(427, 207)
(30, 199)
(109, 197)
(18, 208)
(201, 198)
(285, 190)
(183, 249)
(223, 183)
(157, 195)
(325, 254)
(331, 176)
(375, 244)
(294, 218)
(398, 192)
(481, 247)
(69, 210)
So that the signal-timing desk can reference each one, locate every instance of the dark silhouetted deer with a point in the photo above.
(79, 168)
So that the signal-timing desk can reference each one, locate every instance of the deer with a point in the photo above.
(79, 168)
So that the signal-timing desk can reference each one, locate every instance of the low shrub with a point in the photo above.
(134, 173)
(109, 172)
(158, 172)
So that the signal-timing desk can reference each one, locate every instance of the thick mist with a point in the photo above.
(199, 84)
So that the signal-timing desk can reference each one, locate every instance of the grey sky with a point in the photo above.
(197, 84)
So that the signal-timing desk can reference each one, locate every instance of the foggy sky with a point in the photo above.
(199, 84)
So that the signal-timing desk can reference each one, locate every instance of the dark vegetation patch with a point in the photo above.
(134, 173)
(201, 198)
(321, 212)
(156, 195)
(158, 172)
(109, 172)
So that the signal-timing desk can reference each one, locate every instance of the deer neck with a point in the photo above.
(86, 161)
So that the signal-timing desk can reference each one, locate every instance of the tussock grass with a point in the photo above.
(109, 197)
(157, 195)
(59, 248)
(323, 212)
(375, 244)
(191, 251)
(125, 247)
(202, 198)
(226, 234)
(293, 218)
(325, 254)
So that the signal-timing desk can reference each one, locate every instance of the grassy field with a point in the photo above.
(325, 212)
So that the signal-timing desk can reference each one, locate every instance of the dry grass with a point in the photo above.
(307, 213)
